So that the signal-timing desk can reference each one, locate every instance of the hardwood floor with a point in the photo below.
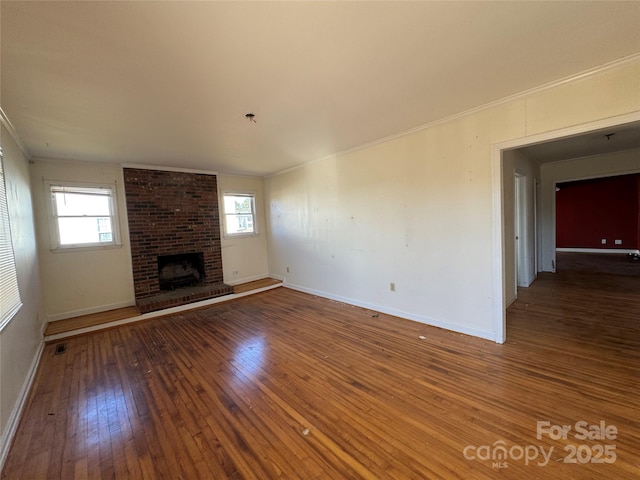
(70, 325)
(612, 263)
(282, 384)
(83, 321)
(256, 284)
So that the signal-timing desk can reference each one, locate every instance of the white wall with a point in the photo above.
(514, 162)
(21, 339)
(618, 163)
(81, 282)
(244, 258)
(417, 210)
(71, 283)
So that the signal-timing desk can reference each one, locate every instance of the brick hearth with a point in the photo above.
(172, 213)
(182, 296)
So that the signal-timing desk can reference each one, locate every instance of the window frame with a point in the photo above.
(11, 302)
(240, 193)
(54, 231)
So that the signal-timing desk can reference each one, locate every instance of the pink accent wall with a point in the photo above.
(590, 210)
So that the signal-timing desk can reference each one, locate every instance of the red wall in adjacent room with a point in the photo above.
(589, 210)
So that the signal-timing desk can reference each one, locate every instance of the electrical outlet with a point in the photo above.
(618, 242)
(603, 241)
(392, 286)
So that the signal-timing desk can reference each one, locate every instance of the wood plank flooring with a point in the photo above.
(101, 318)
(612, 263)
(282, 384)
(83, 321)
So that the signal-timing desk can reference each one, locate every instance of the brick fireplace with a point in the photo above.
(174, 229)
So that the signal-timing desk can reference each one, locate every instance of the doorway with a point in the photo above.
(504, 240)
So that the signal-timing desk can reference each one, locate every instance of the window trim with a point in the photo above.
(54, 233)
(240, 193)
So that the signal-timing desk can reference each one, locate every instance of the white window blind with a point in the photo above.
(10, 301)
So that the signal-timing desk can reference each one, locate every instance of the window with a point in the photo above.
(240, 214)
(10, 301)
(82, 216)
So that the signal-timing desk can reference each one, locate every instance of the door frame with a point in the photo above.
(521, 235)
(497, 167)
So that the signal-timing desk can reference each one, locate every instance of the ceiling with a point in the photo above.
(169, 83)
(597, 142)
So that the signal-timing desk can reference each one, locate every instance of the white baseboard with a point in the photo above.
(88, 311)
(398, 313)
(247, 279)
(597, 250)
(16, 411)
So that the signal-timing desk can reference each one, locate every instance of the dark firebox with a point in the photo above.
(181, 270)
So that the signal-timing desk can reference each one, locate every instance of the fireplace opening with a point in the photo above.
(180, 271)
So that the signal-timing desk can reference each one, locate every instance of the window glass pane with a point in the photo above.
(76, 230)
(69, 204)
(239, 223)
(229, 204)
(243, 205)
(237, 204)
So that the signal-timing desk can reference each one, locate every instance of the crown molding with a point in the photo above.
(168, 169)
(635, 58)
(4, 119)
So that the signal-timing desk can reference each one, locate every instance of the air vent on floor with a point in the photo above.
(61, 348)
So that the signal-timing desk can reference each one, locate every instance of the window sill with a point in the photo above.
(9, 316)
(84, 249)
(240, 235)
